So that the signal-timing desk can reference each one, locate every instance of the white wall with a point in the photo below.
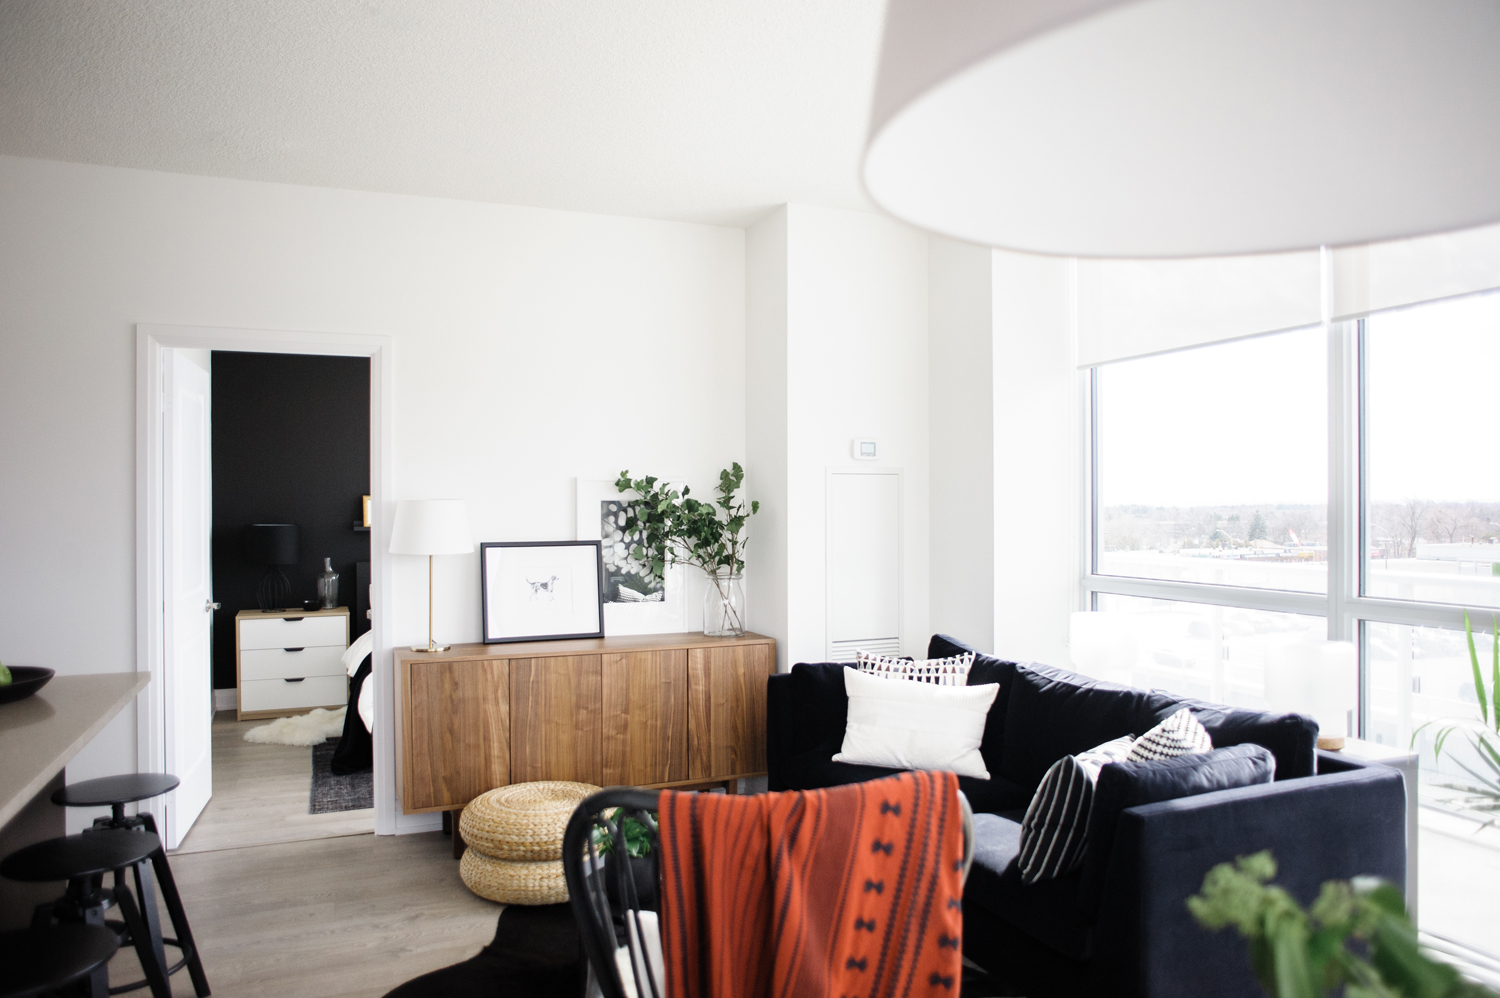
(856, 367)
(766, 428)
(961, 348)
(1038, 457)
(531, 347)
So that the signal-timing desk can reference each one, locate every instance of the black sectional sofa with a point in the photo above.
(1119, 925)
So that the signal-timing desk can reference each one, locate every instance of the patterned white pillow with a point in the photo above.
(1180, 734)
(1054, 832)
(938, 671)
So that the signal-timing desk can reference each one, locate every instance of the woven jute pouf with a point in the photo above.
(514, 837)
(524, 821)
(535, 882)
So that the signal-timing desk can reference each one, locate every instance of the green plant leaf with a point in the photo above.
(1484, 703)
(1495, 674)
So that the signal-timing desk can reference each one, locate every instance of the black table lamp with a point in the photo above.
(272, 545)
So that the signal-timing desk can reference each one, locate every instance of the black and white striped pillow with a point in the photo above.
(1180, 734)
(1055, 829)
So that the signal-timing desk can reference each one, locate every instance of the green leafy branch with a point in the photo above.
(678, 529)
(1306, 954)
(1483, 794)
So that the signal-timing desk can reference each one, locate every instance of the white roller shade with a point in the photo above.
(1132, 308)
(1407, 271)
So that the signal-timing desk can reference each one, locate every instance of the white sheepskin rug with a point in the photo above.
(304, 729)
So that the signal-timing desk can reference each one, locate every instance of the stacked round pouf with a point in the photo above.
(514, 837)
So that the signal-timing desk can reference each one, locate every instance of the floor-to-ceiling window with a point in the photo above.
(1337, 482)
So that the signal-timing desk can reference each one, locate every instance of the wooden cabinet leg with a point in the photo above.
(447, 822)
(731, 786)
(458, 839)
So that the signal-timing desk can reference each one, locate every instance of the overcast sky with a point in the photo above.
(1247, 422)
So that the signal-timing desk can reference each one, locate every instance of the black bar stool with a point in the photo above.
(83, 860)
(115, 792)
(39, 962)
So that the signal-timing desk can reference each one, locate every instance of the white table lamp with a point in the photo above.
(1104, 645)
(1320, 678)
(431, 527)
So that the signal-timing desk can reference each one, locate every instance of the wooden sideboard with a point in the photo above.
(655, 710)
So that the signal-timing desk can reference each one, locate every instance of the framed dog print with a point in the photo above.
(541, 590)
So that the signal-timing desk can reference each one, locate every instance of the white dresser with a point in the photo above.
(290, 661)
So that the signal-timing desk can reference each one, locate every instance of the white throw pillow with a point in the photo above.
(915, 725)
(941, 671)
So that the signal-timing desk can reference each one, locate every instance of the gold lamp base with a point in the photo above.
(430, 647)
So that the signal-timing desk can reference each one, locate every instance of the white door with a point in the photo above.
(864, 564)
(187, 511)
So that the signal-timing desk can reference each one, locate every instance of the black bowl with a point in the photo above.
(24, 681)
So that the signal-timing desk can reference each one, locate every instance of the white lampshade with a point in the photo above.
(432, 526)
(1166, 128)
(1318, 678)
(1104, 645)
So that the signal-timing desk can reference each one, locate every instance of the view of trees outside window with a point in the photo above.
(1432, 470)
(1213, 464)
(1418, 675)
(1222, 654)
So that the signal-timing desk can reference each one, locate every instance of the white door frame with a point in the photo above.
(151, 340)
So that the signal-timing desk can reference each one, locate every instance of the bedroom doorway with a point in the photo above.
(250, 430)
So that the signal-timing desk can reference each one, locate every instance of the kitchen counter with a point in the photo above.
(41, 734)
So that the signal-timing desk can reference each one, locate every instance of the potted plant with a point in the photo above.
(1482, 792)
(676, 529)
(1305, 954)
(637, 854)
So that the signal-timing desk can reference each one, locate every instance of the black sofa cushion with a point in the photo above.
(1292, 738)
(813, 770)
(1052, 713)
(986, 669)
(1048, 910)
(1124, 785)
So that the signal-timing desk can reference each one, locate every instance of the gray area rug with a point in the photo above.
(330, 793)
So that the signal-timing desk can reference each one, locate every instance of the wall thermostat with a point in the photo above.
(863, 450)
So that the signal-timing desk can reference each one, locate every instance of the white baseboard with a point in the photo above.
(227, 699)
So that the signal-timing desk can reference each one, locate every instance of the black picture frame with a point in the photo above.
(489, 605)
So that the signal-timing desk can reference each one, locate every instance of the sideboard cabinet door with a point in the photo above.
(555, 706)
(459, 742)
(727, 710)
(645, 718)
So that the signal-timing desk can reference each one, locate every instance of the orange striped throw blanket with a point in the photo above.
(850, 891)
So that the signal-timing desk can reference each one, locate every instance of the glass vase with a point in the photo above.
(724, 605)
(328, 585)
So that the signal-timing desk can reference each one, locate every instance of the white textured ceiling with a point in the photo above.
(699, 110)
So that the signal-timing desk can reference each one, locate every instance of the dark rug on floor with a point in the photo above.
(337, 793)
(536, 954)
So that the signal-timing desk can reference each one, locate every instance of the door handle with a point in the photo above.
(211, 606)
(297, 680)
(292, 649)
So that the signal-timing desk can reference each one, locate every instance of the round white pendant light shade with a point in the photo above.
(431, 526)
(1169, 128)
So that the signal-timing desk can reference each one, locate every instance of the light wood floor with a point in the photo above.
(260, 796)
(348, 917)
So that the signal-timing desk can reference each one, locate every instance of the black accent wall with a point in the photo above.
(291, 444)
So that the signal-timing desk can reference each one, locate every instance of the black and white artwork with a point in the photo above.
(625, 576)
(632, 605)
(540, 590)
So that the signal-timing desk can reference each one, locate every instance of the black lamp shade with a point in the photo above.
(271, 543)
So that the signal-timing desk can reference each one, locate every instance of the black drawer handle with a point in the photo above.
(291, 620)
(298, 680)
(293, 649)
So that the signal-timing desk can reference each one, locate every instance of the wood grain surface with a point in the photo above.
(555, 711)
(645, 718)
(727, 710)
(458, 732)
